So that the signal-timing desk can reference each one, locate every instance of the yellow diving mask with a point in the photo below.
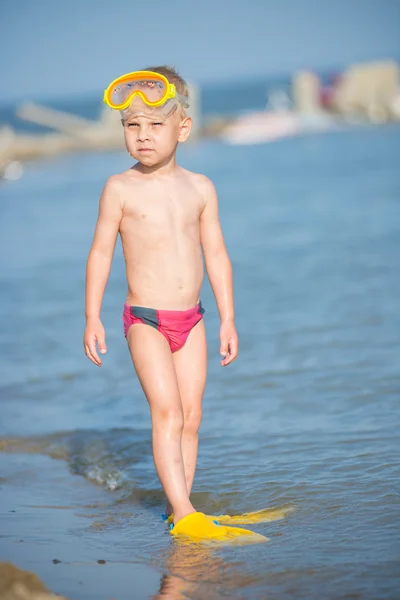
(152, 88)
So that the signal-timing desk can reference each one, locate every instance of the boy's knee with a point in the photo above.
(168, 417)
(191, 421)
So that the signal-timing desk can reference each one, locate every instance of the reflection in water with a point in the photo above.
(195, 570)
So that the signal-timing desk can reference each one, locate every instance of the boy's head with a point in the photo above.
(152, 133)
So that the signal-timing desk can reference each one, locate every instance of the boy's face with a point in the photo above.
(150, 138)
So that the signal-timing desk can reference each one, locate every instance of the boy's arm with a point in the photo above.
(99, 265)
(219, 270)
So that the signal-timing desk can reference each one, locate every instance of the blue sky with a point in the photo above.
(76, 47)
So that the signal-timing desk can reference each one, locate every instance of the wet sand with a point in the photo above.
(16, 584)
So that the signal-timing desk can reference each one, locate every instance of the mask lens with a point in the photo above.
(153, 90)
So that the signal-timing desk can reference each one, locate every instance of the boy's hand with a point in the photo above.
(229, 342)
(94, 331)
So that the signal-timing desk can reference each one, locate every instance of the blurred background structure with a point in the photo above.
(296, 112)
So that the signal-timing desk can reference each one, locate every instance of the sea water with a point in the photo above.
(308, 415)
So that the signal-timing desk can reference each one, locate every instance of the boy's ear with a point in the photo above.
(185, 128)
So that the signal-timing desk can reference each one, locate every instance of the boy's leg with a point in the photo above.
(155, 369)
(191, 371)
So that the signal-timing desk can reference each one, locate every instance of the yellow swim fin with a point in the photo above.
(259, 516)
(197, 527)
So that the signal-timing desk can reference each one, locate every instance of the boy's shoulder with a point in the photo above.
(200, 181)
(119, 183)
(119, 179)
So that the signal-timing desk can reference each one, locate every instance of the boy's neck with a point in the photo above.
(165, 167)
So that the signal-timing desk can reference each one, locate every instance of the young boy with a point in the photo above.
(166, 217)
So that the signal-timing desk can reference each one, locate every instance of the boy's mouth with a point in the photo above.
(145, 149)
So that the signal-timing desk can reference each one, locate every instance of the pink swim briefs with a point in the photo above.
(175, 325)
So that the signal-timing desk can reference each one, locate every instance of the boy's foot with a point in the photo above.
(197, 527)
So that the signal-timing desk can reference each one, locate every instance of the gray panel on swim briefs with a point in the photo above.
(201, 309)
(148, 315)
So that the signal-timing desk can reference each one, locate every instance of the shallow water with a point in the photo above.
(307, 417)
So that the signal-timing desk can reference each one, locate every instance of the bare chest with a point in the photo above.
(167, 212)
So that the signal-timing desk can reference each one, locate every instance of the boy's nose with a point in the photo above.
(143, 134)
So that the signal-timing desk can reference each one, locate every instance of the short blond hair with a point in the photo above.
(173, 77)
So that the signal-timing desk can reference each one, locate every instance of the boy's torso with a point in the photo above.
(160, 233)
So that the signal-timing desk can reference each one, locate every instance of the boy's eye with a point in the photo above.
(133, 124)
(158, 123)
